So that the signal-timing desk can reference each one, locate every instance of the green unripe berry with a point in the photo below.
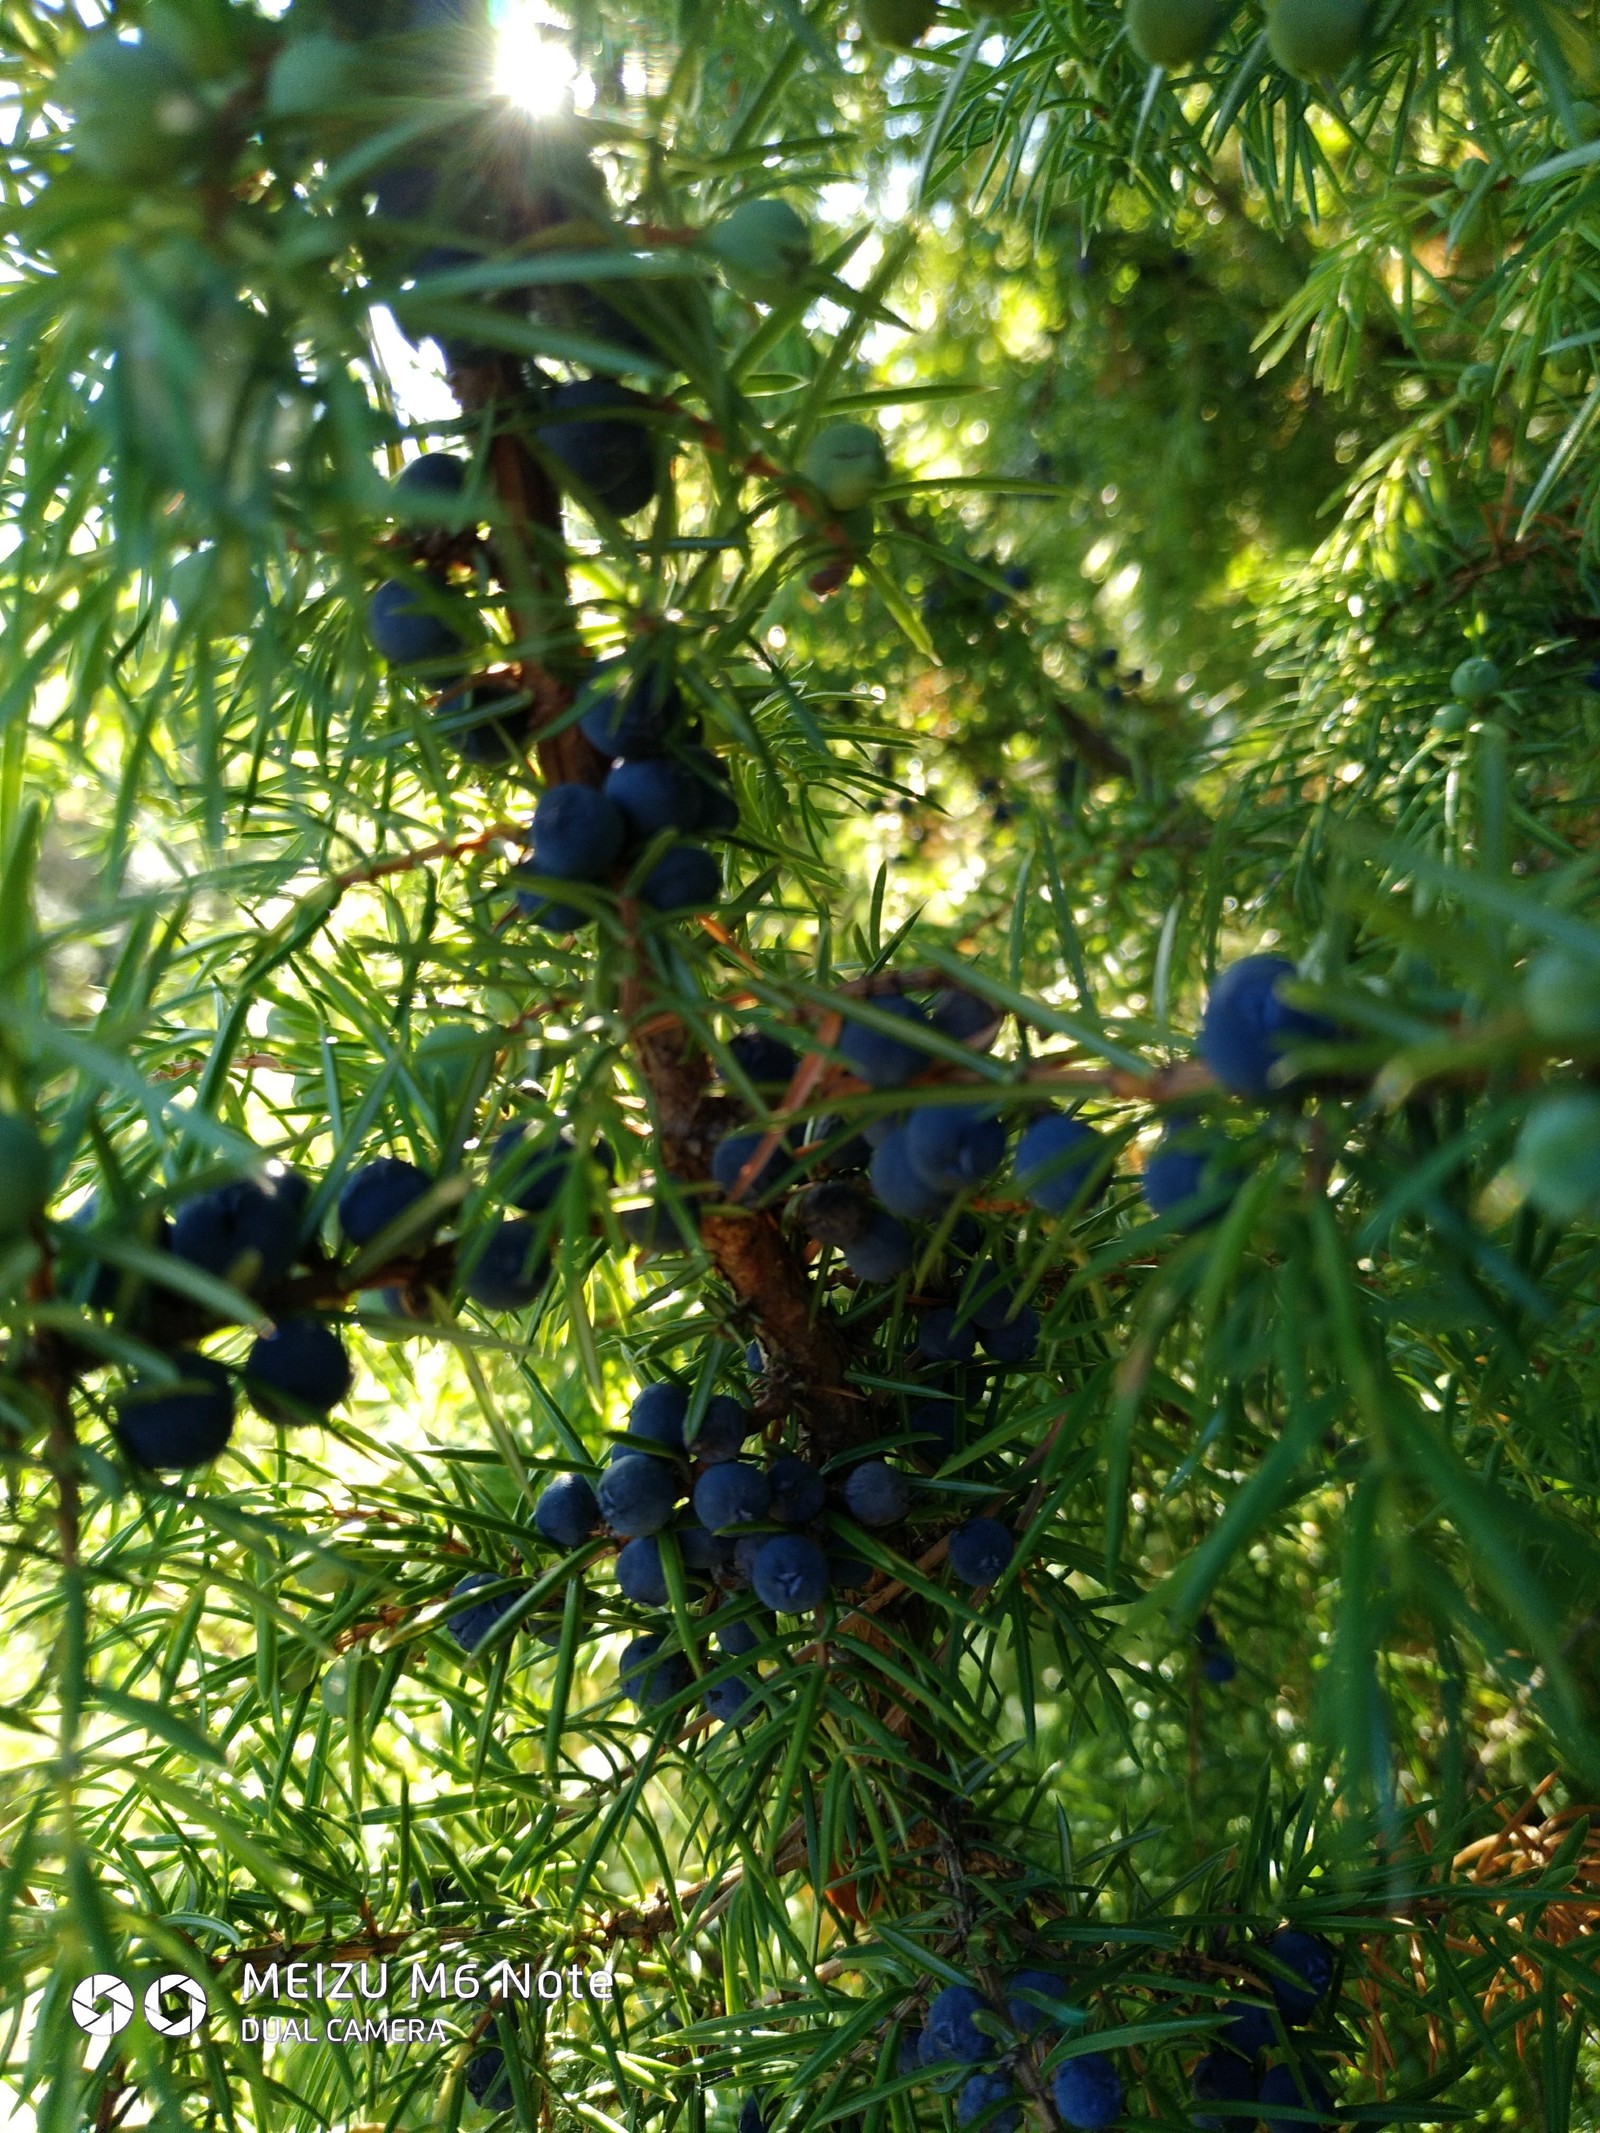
(763, 247)
(900, 24)
(1562, 994)
(452, 1055)
(1476, 382)
(1172, 33)
(1313, 38)
(847, 462)
(135, 116)
(1585, 121)
(24, 1174)
(1475, 681)
(314, 1573)
(297, 1672)
(338, 1684)
(310, 76)
(1557, 1158)
(1452, 718)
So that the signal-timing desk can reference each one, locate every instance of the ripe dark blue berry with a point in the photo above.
(632, 711)
(655, 793)
(752, 2118)
(299, 1372)
(687, 878)
(945, 1336)
(1249, 2029)
(1057, 1158)
(405, 627)
(790, 1574)
(980, 1550)
(596, 432)
(530, 1173)
(658, 1227)
(982, 2097)
(1247, 1025)
(728, 1700)
(723, 1429)
(640, 1577)
(933, 1426)
(509, 1269)
(1021, 2012)
(731, 1493)
(471, 1625)
(719, 810)
(876, 1494)
(746, 1547)
(1222, 2077)
(650, 1680)
(578, 833)
(883, 1254)
(953, 1147)
(879, 1058)
(766, 1062)
(737, 1150)
(948, 2028)
(1303, 1973)
(246, 1232)
(549, 911)
(377, 1195)
(567, 1511)
(1014, 1343)
(1299, 2088)
(1189, 1175)
(487, 723)
(100, 1282)
(836, 1213)
(431, 476)
(704, 1553)
(908, 2058)
(798, 1491)
(168, 1427)
(961, 1015)
(899, 1185)
(637, 1495)
(488, 2081)
(737, 1638)
(657, 1415)
(1088, 2092)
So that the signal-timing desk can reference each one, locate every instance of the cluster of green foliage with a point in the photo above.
(1228, 414)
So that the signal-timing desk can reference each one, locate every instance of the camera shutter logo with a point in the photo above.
(90, 2016)
(173, 1983)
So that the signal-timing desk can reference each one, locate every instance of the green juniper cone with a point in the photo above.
(800, 1002)
(1313, 38)
(1173, 33)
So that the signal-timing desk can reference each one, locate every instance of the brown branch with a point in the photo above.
(441, 848)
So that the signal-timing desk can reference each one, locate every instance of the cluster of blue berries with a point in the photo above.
(962, 2029)
(686, 1504)
(1300, 1970)
(252, 1234)
(662, 786)
(249, 1233)
(945, 1145)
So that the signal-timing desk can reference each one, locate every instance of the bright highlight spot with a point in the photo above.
(533, 69)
